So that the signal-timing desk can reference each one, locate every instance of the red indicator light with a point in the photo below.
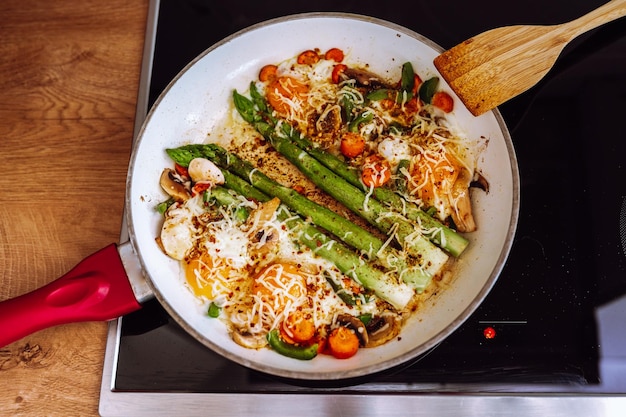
(489, 332)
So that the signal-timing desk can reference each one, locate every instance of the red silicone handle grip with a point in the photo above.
(96, 289)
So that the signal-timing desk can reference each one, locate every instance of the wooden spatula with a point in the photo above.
(497, 65)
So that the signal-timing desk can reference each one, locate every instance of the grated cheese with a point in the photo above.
(259, 291)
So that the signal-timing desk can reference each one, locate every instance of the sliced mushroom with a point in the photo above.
(263, 213)
(381, 329)
(355, 324)
(363, 77)
(260, 233)
(479, 181)
(173, 186)
(203, 170)
(248, 340)
(263, 238)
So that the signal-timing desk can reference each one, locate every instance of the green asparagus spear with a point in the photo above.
(325, 218)
(347, 261)
(370, 246)
(438, 233)
(430, 257)
(243, 188)
(256, 112)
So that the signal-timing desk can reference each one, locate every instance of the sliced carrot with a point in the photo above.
(352, 144)
(343, 343)
(268, 73)
(443, 100)
(334, 54)
(283, 90)
(376, 171)
(337, 71)
(308, 57)
(298, 327)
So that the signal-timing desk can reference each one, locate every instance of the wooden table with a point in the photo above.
(69, 74)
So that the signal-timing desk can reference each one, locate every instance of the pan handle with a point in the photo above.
(95, 289)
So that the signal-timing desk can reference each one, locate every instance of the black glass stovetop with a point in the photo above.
(568, 255)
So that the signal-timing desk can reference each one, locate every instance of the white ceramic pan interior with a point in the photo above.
(199, 97)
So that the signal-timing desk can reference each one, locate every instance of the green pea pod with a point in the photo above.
(365, 318)
(163, 206)
(399, 96)
(341, 292)
(242, 214)
(214, 310)
(401, 181)
(407, 82)
(380, 94)
(347, 105)
(304, 353)
(428, 89)
(364, 117)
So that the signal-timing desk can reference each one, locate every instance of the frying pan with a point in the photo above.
(115, 280)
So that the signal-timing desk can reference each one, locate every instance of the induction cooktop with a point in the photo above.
(551, 330)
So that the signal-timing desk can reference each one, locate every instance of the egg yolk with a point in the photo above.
(435, 177)
(279, 284)
(205, 276)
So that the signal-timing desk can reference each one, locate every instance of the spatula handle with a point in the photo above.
(606, 13)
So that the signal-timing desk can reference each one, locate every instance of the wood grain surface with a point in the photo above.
(69, 74)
